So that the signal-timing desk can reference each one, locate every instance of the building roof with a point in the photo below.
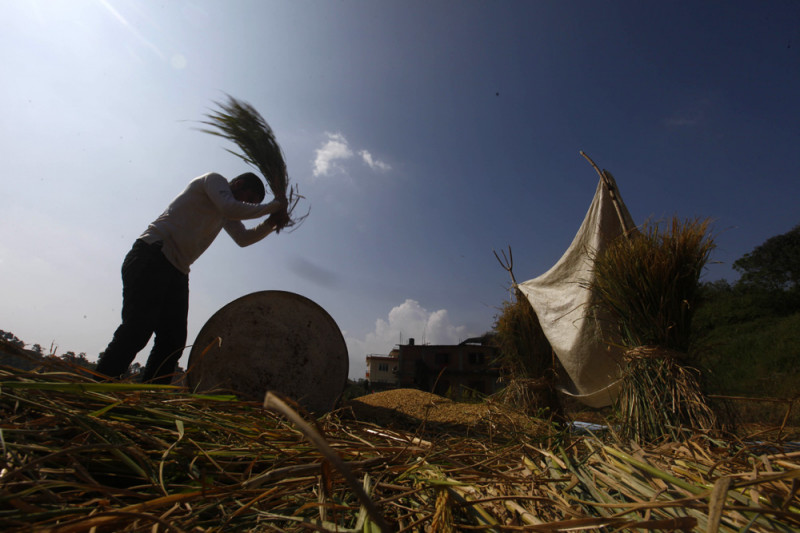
(383, 357)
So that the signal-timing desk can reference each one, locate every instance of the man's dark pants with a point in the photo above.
(155, 299)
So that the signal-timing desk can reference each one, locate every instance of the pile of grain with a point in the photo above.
(412, 408)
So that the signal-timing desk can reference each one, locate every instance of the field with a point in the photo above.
(122, 457)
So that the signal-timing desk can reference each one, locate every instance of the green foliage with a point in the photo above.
(754, 358)
(11, 338)
(749, 332)
(80, 359)
(722, 304)
(355, 389)
(748, 341)
(758, 357)
(14, 354)
(774, 265)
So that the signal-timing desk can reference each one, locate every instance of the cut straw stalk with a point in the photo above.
(271, 401)
(54, 464)
(84, 387)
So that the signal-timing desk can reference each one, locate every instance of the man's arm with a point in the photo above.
(219, 192)
(244, 236)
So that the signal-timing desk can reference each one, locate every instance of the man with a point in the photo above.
(155, 273)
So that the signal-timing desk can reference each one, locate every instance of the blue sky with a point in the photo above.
(424, 135)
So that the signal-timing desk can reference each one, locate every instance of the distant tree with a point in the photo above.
(77, 359)
(774, 265)
(721, 303)
(769, 285)
(37, 349)
(713, 288)
(10, 337)
(134, 370)
(354, 389)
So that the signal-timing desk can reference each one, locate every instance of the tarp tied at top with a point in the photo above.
(562, 301)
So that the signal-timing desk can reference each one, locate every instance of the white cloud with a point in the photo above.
(335, 149)
(407, 320)
(374, 164)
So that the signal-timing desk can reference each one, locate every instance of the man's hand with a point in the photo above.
(279, 219)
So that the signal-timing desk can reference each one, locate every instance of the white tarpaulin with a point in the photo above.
(561, 301)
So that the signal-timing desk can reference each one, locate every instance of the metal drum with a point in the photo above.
(271, 341)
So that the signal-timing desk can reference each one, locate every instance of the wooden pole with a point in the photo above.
(508, 263)
(611, 186)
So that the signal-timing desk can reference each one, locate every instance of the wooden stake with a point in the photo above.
(611, 186)
(507, 263)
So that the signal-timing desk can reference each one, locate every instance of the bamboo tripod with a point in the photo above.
(611, 186)
(507, 262)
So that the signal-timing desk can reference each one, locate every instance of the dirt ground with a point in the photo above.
(416, 409)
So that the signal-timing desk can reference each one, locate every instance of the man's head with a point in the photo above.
(248, 187)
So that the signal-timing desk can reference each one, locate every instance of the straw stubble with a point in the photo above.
(165, 460)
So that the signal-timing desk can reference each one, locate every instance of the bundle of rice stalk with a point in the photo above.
(519, 337)
(525, 358)
(239, 122)
(647, 286)
(660, 396)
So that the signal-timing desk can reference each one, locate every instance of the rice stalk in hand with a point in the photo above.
(239, 122)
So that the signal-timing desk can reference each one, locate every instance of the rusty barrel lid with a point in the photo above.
(271, 341)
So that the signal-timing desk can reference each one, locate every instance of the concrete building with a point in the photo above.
(452, 370)
(382, 371)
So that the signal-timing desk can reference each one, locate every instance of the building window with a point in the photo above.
(477, 358)
(383, 367)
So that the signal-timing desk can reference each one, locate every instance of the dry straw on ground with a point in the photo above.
(79, 455)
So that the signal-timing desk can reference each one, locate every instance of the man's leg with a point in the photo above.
(141, 298)
(170, 330)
